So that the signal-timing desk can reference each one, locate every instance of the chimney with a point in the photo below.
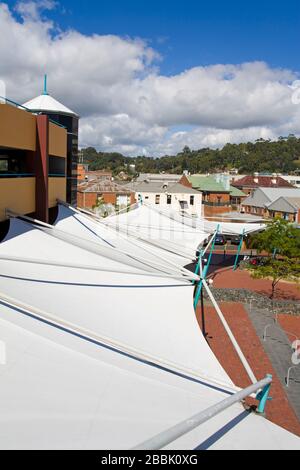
(274, 179)
(256, 180)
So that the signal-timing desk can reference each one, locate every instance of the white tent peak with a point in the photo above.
(46, 103)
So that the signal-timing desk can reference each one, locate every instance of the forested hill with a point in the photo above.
(282, 156)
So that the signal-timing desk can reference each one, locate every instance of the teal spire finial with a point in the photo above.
(45, 85)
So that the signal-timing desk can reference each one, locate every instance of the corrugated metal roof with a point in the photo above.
(285, 204)
(263, 196)
(210, 184)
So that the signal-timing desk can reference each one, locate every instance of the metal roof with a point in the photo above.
(161, 187)
(264, 196)
(285, 204)
(210, 184)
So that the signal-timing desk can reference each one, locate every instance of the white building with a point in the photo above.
(168, 195)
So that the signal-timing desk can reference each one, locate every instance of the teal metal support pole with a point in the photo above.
(45, 85)
(263, 397)
(197, 270)
(239, 251)
(205, 270)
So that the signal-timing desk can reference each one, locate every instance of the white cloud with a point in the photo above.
(126, 104)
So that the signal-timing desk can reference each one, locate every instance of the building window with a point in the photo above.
(169, 199)
(157, 199)
(192, 200)
(4, 165)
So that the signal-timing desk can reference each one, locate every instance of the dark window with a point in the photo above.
(192, 200)
(57, 166)
(169, 199)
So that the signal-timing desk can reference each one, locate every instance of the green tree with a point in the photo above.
(277, 270)
(280, 238)
(281, 241)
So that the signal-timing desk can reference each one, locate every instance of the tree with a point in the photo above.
(277, 270)
(281, 241)
(280, 238)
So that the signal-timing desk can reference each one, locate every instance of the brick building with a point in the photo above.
(218, 196)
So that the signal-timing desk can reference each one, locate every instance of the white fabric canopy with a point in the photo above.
(58, 391)
(84, 226)
(163, 230)
(151, 316)
(230, 228)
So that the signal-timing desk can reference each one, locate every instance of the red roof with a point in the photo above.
(262, 181)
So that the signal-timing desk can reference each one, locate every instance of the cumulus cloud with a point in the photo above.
(126, 104)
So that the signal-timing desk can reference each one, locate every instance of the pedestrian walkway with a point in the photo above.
(279, 410)
(277, 345)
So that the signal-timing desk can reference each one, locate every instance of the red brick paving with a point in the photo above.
(227, 278)
(278, 410)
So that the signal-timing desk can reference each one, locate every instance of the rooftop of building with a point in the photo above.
(160, 187)
(212, 184)
(286, 204)
(262, 182)
(103, 186)
(263, 196)
(158, 177)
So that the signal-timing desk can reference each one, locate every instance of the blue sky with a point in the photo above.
(152, 77)
(191, 33)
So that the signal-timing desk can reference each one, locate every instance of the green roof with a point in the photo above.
(210, 184)
(235, 192)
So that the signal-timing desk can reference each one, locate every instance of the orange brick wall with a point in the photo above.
(213, 197)
(81, 173)
(214, 210)
(89, 200)
(86, 199)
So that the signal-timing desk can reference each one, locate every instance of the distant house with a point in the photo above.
(248, 184)
(218, 195)
(104, 191)
(287, 208)
(168, 195)
(273, 202)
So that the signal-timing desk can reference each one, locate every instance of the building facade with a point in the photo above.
(33, 162)
(95, 193)
(166, 195)
(69, 120)
(272, 202)
(218, 196)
